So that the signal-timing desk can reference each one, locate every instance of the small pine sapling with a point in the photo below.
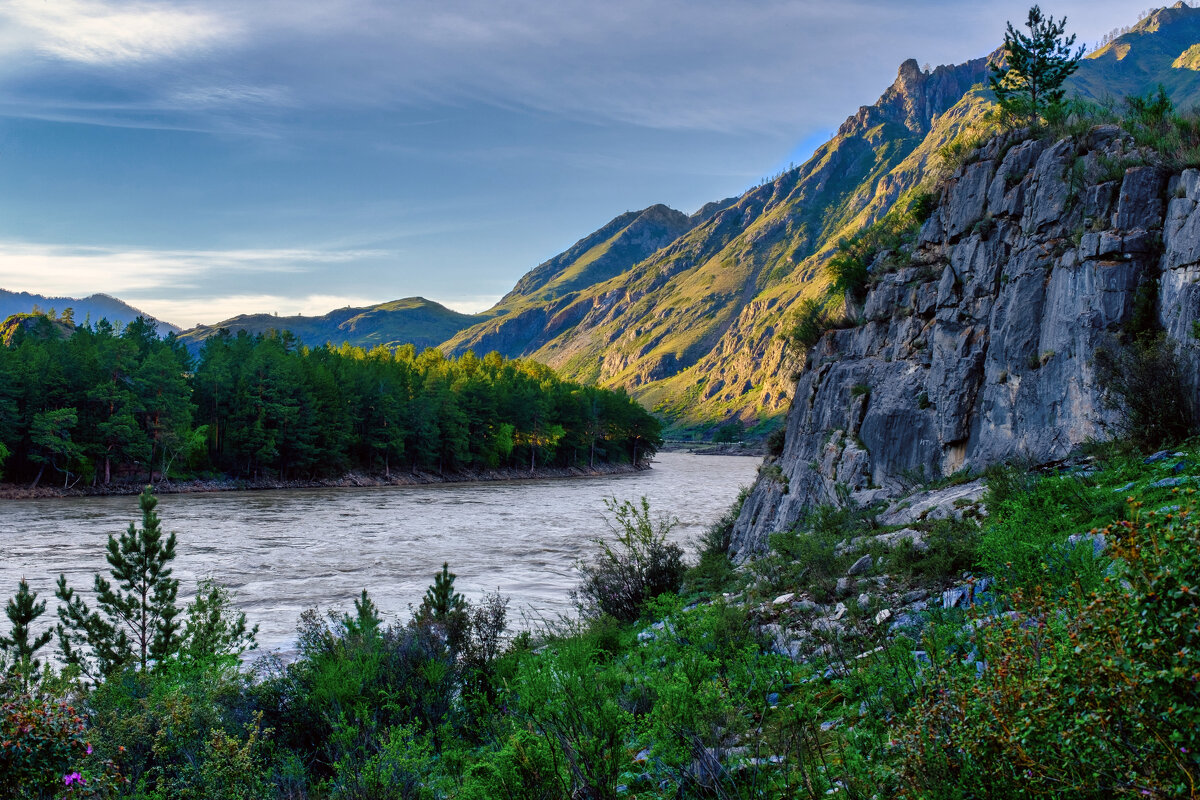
(20, 645)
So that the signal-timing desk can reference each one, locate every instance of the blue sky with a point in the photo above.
(207, 158)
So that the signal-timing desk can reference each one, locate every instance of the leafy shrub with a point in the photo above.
(1024, 544)
(400, 767)
(715, 572)
(952, 547)
(730, 432)
(809, 321)
(1145, 379)
(44, 744)
(571, 703)
(776, 441)
(1097, 700)
(356, 679)
(922, 206)
(638, 565)
(805, 558)
(693, 708)
(523, 768)
(176, 729)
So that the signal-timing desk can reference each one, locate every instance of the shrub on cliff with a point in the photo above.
(1145, 380)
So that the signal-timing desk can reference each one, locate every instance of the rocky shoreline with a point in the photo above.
(10, 491)
(753, 448)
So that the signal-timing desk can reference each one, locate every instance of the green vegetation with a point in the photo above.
(639, 565)
(856, 262)
(97, 406)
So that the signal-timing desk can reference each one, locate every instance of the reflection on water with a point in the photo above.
(284, 551)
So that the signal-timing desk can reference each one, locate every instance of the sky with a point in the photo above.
(207, 158)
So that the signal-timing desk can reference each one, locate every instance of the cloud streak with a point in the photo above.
(64, 269)
(97, 33)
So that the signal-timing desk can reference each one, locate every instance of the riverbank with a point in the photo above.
(12, 491)
(753, 448)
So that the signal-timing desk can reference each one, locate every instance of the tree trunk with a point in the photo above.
(39, 476)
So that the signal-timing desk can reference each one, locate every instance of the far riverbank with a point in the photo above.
(12, 491)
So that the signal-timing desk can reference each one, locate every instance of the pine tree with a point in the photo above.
(136, 622)
(22, 610)
(440, 599)
(366, 622)
(1029, 79)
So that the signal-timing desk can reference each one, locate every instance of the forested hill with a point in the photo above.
(93, 406)
(79, 309)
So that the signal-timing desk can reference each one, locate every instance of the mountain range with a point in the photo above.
(686, 311)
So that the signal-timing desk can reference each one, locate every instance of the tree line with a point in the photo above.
(96, 404)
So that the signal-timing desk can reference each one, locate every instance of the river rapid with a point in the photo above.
(280, 552)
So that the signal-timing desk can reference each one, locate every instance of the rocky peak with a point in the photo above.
(917, 98)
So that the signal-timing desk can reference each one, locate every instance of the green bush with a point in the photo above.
(808, 322)
(522, 768)
(1144, 379)
(1025, 542)
(714, 571)
(638, 565)
(44, 749)
(776, 441)
(571, 702)
(1090, 696)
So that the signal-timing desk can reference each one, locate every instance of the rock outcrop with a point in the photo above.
(981, 350)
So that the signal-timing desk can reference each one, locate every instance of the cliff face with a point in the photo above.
(982, 349)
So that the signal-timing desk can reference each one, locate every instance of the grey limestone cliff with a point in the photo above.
(981, 349)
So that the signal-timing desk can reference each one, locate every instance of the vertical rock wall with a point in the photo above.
(981, 350)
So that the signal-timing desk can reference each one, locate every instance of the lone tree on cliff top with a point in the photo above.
(1028, 79)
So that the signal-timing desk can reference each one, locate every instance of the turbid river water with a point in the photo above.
(283, 551)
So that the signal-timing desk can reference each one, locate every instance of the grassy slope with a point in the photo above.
(693, 329)
(1160, 49)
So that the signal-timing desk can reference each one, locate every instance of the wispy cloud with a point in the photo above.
(64, 269)
(97, 33)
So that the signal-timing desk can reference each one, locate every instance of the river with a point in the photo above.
(281, 552)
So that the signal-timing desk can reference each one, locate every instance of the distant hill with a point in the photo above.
(1162, 48)
(686, 311)
(95, 308)
(413, 320)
